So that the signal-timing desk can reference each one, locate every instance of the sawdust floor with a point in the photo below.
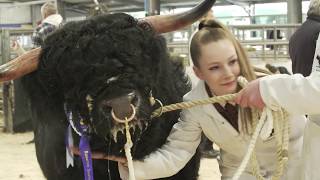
(18, 160)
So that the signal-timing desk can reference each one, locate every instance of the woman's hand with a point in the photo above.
(121, 160)
(250, 96)
(123, 170)
(100, 155)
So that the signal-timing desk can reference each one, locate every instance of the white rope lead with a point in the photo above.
(252, 143)
(127, 149)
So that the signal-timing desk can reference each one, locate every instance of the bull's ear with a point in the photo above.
(167, 23)
(20, 66)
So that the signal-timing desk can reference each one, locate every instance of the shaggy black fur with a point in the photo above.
(79, 60)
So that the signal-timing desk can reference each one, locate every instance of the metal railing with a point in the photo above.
(8, 100)
(262, 42)
(267, 41)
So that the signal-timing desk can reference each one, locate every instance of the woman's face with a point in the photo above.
(219, 67)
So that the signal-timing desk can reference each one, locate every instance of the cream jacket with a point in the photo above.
(185, 137)
(299, 95)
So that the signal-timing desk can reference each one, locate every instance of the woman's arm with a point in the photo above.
(181, 145)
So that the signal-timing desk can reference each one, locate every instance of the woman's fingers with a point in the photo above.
(100, 155)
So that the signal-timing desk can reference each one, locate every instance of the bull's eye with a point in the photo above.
(114, 78)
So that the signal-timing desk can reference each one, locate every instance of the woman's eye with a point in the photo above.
(233, 61)
(214, 68)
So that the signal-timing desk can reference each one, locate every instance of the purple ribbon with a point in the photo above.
(86, 158)
(85, 152)
(84, 145)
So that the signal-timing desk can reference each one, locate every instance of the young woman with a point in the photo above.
(218, 61)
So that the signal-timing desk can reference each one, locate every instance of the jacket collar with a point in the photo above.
(55, 19)
(199, 92)
(314, 17)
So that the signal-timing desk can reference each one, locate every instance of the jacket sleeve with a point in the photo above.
(41, 33)
(295, 93)
(181, 145)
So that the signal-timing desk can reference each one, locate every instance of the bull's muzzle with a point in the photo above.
(126, 119)
(122, 108)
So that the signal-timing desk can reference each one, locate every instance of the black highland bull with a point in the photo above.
(96, 66)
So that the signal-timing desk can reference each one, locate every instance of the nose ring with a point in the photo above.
(124, 120)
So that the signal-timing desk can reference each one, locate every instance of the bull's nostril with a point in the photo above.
(122, 105)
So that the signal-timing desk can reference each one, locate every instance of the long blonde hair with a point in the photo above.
(213, 31)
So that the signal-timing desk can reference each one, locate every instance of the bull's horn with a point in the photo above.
(20, 66)
(168, 23)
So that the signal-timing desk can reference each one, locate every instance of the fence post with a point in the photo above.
(7, 87)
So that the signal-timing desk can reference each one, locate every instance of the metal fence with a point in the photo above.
(9, 95)
(262, 42)
(268, 41)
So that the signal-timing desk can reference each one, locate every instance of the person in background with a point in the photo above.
(302, 43)
(270, 36)
(50, 22)
(219, 60)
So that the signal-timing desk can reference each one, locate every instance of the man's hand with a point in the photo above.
(15, 45)
(250, 96)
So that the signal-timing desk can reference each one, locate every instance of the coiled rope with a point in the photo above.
(279, 119)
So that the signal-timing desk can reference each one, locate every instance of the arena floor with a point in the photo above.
(18, 160)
